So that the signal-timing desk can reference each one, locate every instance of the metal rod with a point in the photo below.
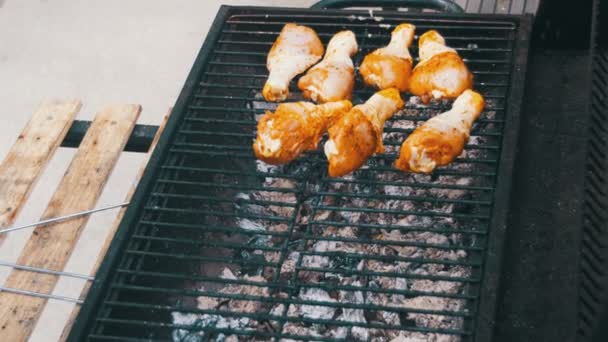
(41, 295)
(45, 271)
(139, 141)
(63, 218)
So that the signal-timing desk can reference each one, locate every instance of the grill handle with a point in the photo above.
(440, 5)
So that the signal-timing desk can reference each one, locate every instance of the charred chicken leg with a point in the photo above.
(391, 65)
(441, 73)
(295, 50)
(334, 77)
(355, 136)
(441, 139)
(293, 128)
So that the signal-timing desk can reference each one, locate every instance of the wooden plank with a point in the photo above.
(51, 246)
(30, 154)
(102, 253)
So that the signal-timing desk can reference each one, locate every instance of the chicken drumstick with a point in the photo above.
(441, 139)
(293, 128)
(355, 136)
(441, 73)
(334, 77)
(391, 65)
(295, 50)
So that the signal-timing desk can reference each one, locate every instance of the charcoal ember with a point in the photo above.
(300, 329)
(350, 216)
(315, 311)
(357, 333)
(272, 257)
(207, 303)
(278, 228)
(316, 261)
(451, 193)
(263, 167)
(274, 191)
(196, 324)
(250, 225)
(339, 231)
(420, 337)
(438, 304)
(289, 264)
(193, 321)
(324, 214)
(242, 204)
(303, 216)
(249, 306)
(231, 338)
(277, 310)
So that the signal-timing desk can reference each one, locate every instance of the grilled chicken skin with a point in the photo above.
(441, 139)
(296, 49)
(441, 73)
(293, 128)
(391, 65)
(355, 136)
(334, 77)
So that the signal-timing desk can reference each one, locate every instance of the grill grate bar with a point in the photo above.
(148, 324)
(385, 37)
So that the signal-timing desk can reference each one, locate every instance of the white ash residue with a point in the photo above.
(420, 337)
(220, 301)
(314, 311)
(385, 245)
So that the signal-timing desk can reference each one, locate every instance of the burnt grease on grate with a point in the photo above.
(228, 248)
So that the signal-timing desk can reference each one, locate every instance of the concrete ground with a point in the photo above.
(100, 52)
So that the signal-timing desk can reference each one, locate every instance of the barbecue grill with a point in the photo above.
(219, 246)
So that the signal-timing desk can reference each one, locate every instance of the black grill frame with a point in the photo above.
(498, 224)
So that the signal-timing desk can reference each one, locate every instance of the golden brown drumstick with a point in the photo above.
(355, 136)
(294, 128)
(390, 66)
(295, 50)
(334, 77)
(441, 139)
(441, 73)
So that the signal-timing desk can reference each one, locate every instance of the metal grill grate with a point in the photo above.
(227, 248)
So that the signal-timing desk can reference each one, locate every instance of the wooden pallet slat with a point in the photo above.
(30, 154)
(110, 235)
(50, 247)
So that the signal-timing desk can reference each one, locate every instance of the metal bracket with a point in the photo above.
(139, 141)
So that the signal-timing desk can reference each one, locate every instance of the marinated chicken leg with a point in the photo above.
(390, 66)
(441, 73)
(441, 139)
(293, 128)
(334, 77)
(295, 50)
(355, 136)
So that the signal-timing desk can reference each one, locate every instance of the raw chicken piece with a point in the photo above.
(390, 66)
(358, 134)
(334, 77)
(294, 128)
(442, 138)
(441, 73)
(296, 49)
